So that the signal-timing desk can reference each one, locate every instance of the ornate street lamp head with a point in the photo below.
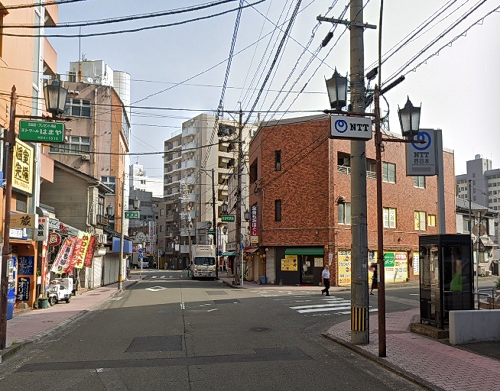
(337, 91)
(409, 118)
(55, 97)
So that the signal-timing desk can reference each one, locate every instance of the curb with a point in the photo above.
(14, 348)
(382, 362)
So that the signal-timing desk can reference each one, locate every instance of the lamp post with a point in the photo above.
(55, 100)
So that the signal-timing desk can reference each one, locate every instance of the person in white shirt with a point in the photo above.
(325, 279)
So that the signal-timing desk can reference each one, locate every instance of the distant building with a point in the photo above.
(484, 182)
(138, 180)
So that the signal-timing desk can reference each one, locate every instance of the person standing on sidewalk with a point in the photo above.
(325, 279)
(373, 268)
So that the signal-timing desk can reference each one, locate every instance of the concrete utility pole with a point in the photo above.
(122, 238)
(359, 247)
(239, 252)
(214, 226)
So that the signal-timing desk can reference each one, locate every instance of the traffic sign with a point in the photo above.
(132, 214)
(228, 218)
(41, 131)
(342, 126)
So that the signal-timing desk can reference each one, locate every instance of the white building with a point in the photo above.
(138, 180)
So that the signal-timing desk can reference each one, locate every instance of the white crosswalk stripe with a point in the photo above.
(333, 304)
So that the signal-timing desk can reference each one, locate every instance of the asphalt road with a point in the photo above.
(172, 333)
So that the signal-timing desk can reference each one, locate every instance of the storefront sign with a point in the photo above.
(90, 252)
(42, 232)
(22, 220)
(421, 157)
(290, 263)
(41, 131)
(54, 239)
(82, 251)
(23, 289)
(396, 266)
(344, 268)
(26, 266)
(62, 261)
(22, 167)
(53, 224)
(254, 228)
(416, 263)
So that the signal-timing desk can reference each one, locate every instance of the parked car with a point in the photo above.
(145, 263)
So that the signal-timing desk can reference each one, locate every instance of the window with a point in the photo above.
(466, 225)
(344, 215)
(253, 172)
(419, 181)
(277, 160)
(109, 181)
(390, 217)
(431, 220)
(75, 145)
(77, 107)
(419, 218)
(277, 210)
(389, 172)
(100, 206)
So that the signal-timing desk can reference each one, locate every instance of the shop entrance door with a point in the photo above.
(306, 270)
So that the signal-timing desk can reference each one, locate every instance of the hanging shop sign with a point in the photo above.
(42, 232)
(54, 239)
(22, 167)
(254, 228)
(421, 158)
(23, 220)
(41, 131)
(26, 266)
(358, 128)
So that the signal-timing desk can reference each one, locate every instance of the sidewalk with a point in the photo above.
(29, 325)
(428, 362)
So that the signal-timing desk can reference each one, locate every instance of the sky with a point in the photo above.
(447, 50)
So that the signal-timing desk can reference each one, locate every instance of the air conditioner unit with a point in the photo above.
(85, 157)
(102, 238)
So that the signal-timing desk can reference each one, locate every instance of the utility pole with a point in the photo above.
(214, 225)
(359, 235)
(122, 238)
(11, 139)
(239, 252)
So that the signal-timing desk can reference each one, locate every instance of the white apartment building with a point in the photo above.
(138, 180)
(195, 157)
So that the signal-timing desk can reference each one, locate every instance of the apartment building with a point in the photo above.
(198, 155)
(300, 203)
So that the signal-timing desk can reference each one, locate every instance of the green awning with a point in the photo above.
(229, 254)
(304, 251)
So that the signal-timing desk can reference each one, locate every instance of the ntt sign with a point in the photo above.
(351, 127)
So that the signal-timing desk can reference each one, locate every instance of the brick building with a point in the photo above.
(300, 199)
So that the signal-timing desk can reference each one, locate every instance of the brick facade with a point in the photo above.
(310, 185)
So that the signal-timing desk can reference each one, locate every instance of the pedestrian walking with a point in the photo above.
(325, 279)
(373, 268)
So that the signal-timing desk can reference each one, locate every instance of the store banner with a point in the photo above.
(76, 250)
(63, 258)
(90, 251)
(82, 250)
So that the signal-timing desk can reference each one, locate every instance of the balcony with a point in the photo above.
(102, 220)
(189, 131)
(49, 59)
(189, 163)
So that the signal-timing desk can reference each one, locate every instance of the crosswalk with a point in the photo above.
(309, 305)
(164, 277)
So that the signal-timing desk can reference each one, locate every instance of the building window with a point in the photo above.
(419, 218)
(344, 215)
(419, 181)
(431, 220)
(277, 210)
(277, 160)
(161, 228)
(75, 145)
(466, 225)
(389, 172)
(390, 217)
(77, 107)
(100, 206)
(253, 172)
(109, 181)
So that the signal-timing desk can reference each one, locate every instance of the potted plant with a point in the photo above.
(43, 302)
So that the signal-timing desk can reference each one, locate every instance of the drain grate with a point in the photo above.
(168, 343)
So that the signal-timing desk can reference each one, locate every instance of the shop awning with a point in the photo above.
(250, 249)
(229, 254)
(304, 251)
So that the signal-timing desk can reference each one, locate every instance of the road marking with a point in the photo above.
(183, 306)
(330, 304)
(117, 298)
(213, 309)
(156, 288)
(153, 276)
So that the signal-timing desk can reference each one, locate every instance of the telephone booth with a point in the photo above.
(446, 277)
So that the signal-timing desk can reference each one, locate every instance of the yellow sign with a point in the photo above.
(22, 167)
(290, 263)
(21, 220)
(344, 268)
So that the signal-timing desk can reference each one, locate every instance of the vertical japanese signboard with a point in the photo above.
(254, 228)
(421, 157)
(22, 167)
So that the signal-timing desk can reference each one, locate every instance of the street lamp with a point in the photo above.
(224, 207)
(110, 211)
(55, 97)
(246, 215)
(409, 119)
(137, 203)
(337, 90)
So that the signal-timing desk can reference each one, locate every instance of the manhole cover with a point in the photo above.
(260, 329)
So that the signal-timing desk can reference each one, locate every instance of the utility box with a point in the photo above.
(446, 277)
